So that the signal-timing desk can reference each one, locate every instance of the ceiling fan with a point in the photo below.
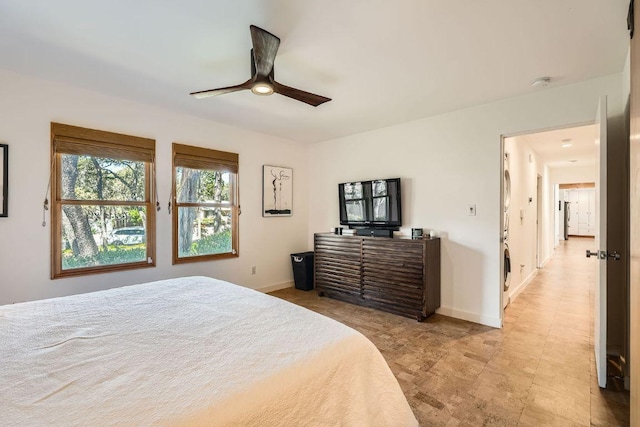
(263, 55)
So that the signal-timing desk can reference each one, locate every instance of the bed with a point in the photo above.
(189, 351)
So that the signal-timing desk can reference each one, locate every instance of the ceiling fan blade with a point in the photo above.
(265, 47)
(221, 91)
(299, 95)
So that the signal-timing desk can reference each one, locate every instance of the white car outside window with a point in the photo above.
(127, 236)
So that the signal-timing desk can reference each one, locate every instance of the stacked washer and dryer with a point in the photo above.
(505, 236)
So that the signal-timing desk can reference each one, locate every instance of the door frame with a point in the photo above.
(634, 226)
(601, 244)
(539, 228)
(500, 249)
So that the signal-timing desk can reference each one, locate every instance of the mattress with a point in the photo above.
(189, 351)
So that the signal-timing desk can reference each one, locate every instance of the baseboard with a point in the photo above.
(545, 261)
(471, 317)
(276, 287)
(516, 291)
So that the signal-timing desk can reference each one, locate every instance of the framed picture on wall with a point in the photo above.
(4, 180)
(277, 191)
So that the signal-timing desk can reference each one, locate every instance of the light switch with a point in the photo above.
(471, 210)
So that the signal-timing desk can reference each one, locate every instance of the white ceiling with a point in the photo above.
(383, 63)
(548, 145)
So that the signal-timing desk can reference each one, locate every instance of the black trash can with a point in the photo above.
(303, 270)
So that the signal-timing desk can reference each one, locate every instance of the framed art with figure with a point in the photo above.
(277, 191)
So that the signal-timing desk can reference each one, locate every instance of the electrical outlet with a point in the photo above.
(471, 210)
(253, 269)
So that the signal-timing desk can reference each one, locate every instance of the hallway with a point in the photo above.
(538, 370)
(552, 320)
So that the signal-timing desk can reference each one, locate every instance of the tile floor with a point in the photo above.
(538, 370)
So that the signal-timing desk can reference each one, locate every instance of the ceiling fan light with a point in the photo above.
(262, 89)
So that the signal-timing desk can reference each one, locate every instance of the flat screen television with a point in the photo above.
(371, 204)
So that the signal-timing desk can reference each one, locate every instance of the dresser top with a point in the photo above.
(409, 238)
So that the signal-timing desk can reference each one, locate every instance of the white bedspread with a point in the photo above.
(189, 351)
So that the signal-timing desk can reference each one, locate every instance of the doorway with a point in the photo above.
(534, 165)
(552, 175)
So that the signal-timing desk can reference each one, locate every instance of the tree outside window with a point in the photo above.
(205, 199)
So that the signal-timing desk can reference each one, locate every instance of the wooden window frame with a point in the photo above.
(67, 139)
(193, 157)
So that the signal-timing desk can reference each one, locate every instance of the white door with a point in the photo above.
(600, 330)
(583, 215)
(574, 212)
(591, 213)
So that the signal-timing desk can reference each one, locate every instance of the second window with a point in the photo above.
(205, 200)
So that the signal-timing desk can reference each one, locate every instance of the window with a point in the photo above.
(103, 216)
(380, 200)
(205, 200)
(354, 202)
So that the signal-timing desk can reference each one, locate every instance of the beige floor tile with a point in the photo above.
(458, 364)
(533, 418)
(479, 412)
(428, 415)
(450, 391)
(556, 353)
(566, 349)
(524, 364)
(534, 315)
(507, 389)
(554, 378)
(454, 422)
(542, 400)
(568, 333)
(564, 369)
(523, 342)
(476, 347)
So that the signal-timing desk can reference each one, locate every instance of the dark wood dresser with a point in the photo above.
(399, 275)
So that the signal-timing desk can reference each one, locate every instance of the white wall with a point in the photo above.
(572, 175)
(447, 162)
(524, 167)
(28, 105)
